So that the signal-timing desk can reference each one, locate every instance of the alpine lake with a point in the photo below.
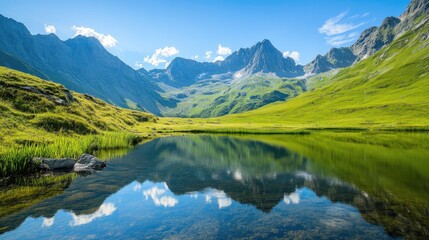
(336, 185)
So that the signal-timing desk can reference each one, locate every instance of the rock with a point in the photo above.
(88, 164)
(50, 164)
(56, 100)
(69, 96)
(85, 164)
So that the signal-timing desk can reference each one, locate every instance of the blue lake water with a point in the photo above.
(217, 187)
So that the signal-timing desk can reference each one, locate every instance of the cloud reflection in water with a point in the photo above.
(159, 197)
(106, 209)
(292, 198)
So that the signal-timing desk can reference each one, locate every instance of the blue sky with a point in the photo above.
(150, 34)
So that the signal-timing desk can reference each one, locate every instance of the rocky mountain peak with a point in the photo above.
(265, 45)
(268, 59)
(390, 22)
(415, 9)
(85, 42)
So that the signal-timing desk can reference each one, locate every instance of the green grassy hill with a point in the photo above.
(32, 109)
(41, 118)
(389, 89)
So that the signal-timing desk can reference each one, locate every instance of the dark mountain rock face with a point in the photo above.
(81, 64)
(335, 58)
(265, 58)
(416, 13)
(373, 39)
(261, 58)
(185, 71)
(370, 41)
(341, 57)
(415, 9)
(319, 65)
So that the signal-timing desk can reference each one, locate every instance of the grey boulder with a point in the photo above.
(50, 164)
(88, 164)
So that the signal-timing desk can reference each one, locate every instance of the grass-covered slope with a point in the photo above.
(389, 89)
(41, 118)
(32, 109)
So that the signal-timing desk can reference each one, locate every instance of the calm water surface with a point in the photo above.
(220, 187)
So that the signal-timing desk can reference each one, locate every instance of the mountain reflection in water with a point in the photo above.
(233, 187)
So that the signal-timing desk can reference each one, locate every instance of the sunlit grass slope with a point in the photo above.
(389, 89)
(32, 109)
(44, 119)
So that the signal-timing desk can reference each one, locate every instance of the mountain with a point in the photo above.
(387, 89)
(335, 58)
(184, 72)
(415, 12)
(369, 42)
(81, 64)
(261, 58)
(9, 61)
(373, 39)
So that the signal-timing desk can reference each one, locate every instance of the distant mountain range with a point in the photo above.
(261, 58)
(83, 65)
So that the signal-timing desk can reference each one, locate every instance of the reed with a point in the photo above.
(16, 161)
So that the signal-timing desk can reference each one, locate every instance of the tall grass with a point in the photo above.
(17, 160)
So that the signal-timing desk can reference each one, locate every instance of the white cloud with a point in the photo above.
(159, 198)
(341, 39)
(218, 58)
(221, 50)
(208, 54)
(106, 40)
(195, 57)
(47, 222)
(106, 209)
(334, 26)
(294, 55)
(50, 29)
(138, 65)
(336, 29)
(160, 54)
